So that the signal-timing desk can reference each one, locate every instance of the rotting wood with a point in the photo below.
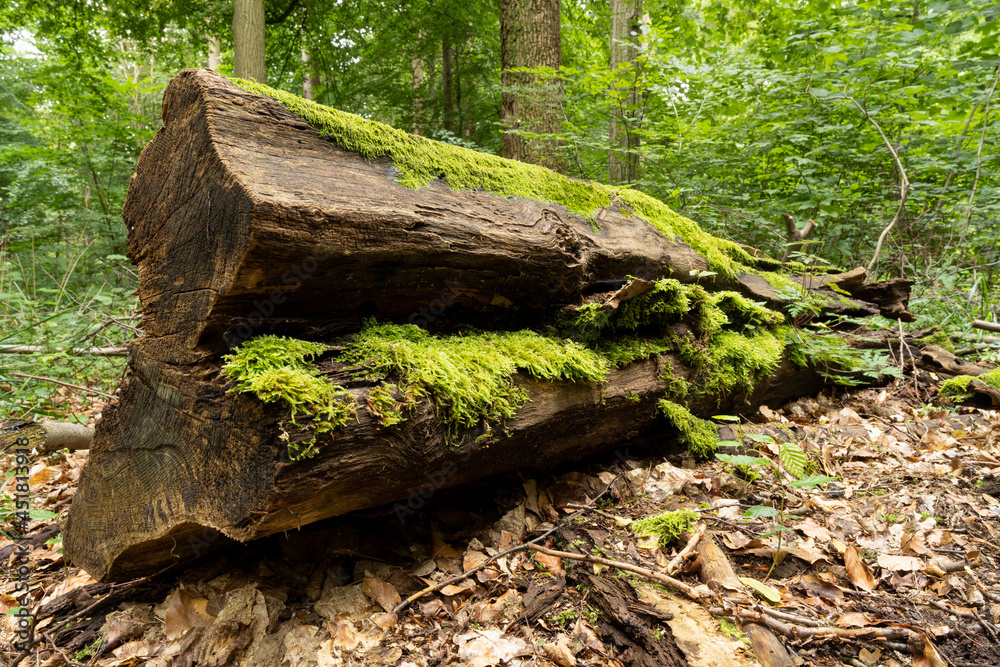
(243, 220)
(718, 574)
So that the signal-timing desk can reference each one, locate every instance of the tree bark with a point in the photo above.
(529, 37)
(623, 160)
(309, 81)
(214, 53)
(248, 40)
(243, 220)
(446, 84)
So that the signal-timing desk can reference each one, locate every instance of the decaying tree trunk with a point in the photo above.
(243, 220)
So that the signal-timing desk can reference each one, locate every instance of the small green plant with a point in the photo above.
(700, 436)
(728, 628)
(564, 618)
(792, 459)
(667, 527)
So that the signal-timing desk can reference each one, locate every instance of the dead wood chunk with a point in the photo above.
(935, 358)
(629, 626)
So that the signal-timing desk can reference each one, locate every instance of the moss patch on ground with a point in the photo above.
(420, 161)
(277, 369)
(957, 388)
(668, 527)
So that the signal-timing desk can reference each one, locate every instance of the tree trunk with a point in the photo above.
(214, 53)
(243, 220)
(417, 65)
(446, 84)
(309, 81)
(529, 37)
(248, 40)
(623, 160)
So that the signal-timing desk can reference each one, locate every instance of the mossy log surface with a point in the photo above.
(242, 221)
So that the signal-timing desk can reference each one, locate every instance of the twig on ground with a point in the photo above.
(669, 582)
(105, 351)
(65, 656)
(521, 547)
(65, 384)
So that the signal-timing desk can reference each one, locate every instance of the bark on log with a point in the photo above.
(243, 220)
(45, 437)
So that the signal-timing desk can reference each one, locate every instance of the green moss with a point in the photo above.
(470, 377)
(957, 388)
(384, 406)
(276, 369)
(623, 351)
(701, 437)
(939, 337)
(740, 362)
(421, 160)
(668, 527)
(743, 312)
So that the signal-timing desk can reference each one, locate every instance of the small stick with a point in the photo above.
(106, 351)
(669, 582)
(686, 551)
(65, 384)
(65, 656)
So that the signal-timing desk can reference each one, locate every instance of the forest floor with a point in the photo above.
(895, 563)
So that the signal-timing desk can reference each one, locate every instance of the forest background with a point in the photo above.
(855, 115)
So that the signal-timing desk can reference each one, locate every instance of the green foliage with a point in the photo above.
(276, 369)
(668, 527)
(383, 405)
(469, 377)
(698, 435)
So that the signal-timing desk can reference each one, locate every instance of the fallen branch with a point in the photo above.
(686, 551)
(798, 631)
(45, 436)
(106, 351)
(663, 579)
(985, 326)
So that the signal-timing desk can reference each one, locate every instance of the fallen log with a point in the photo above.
(246, 221)
(44, 437)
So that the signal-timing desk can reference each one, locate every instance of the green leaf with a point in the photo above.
(812, 481)
(761, 512)
(793, 458)
(742, 460)
(759, 438)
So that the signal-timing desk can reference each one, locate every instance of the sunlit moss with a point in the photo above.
(470, 377)
(957, 388)
(420, 161)
(668, 527)
(938, 336)
(698, 435)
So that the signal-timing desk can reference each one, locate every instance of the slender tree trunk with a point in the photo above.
(529, 37)
(214, 53)
(417, 65)
(311, 80)
(446, 83)
(623, 160)
(248, 40)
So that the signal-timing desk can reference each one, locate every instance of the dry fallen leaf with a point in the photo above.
(184, 611)
(900, 563)
(383, 593)
(859, 572)
(559, 651)
(551, 563)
